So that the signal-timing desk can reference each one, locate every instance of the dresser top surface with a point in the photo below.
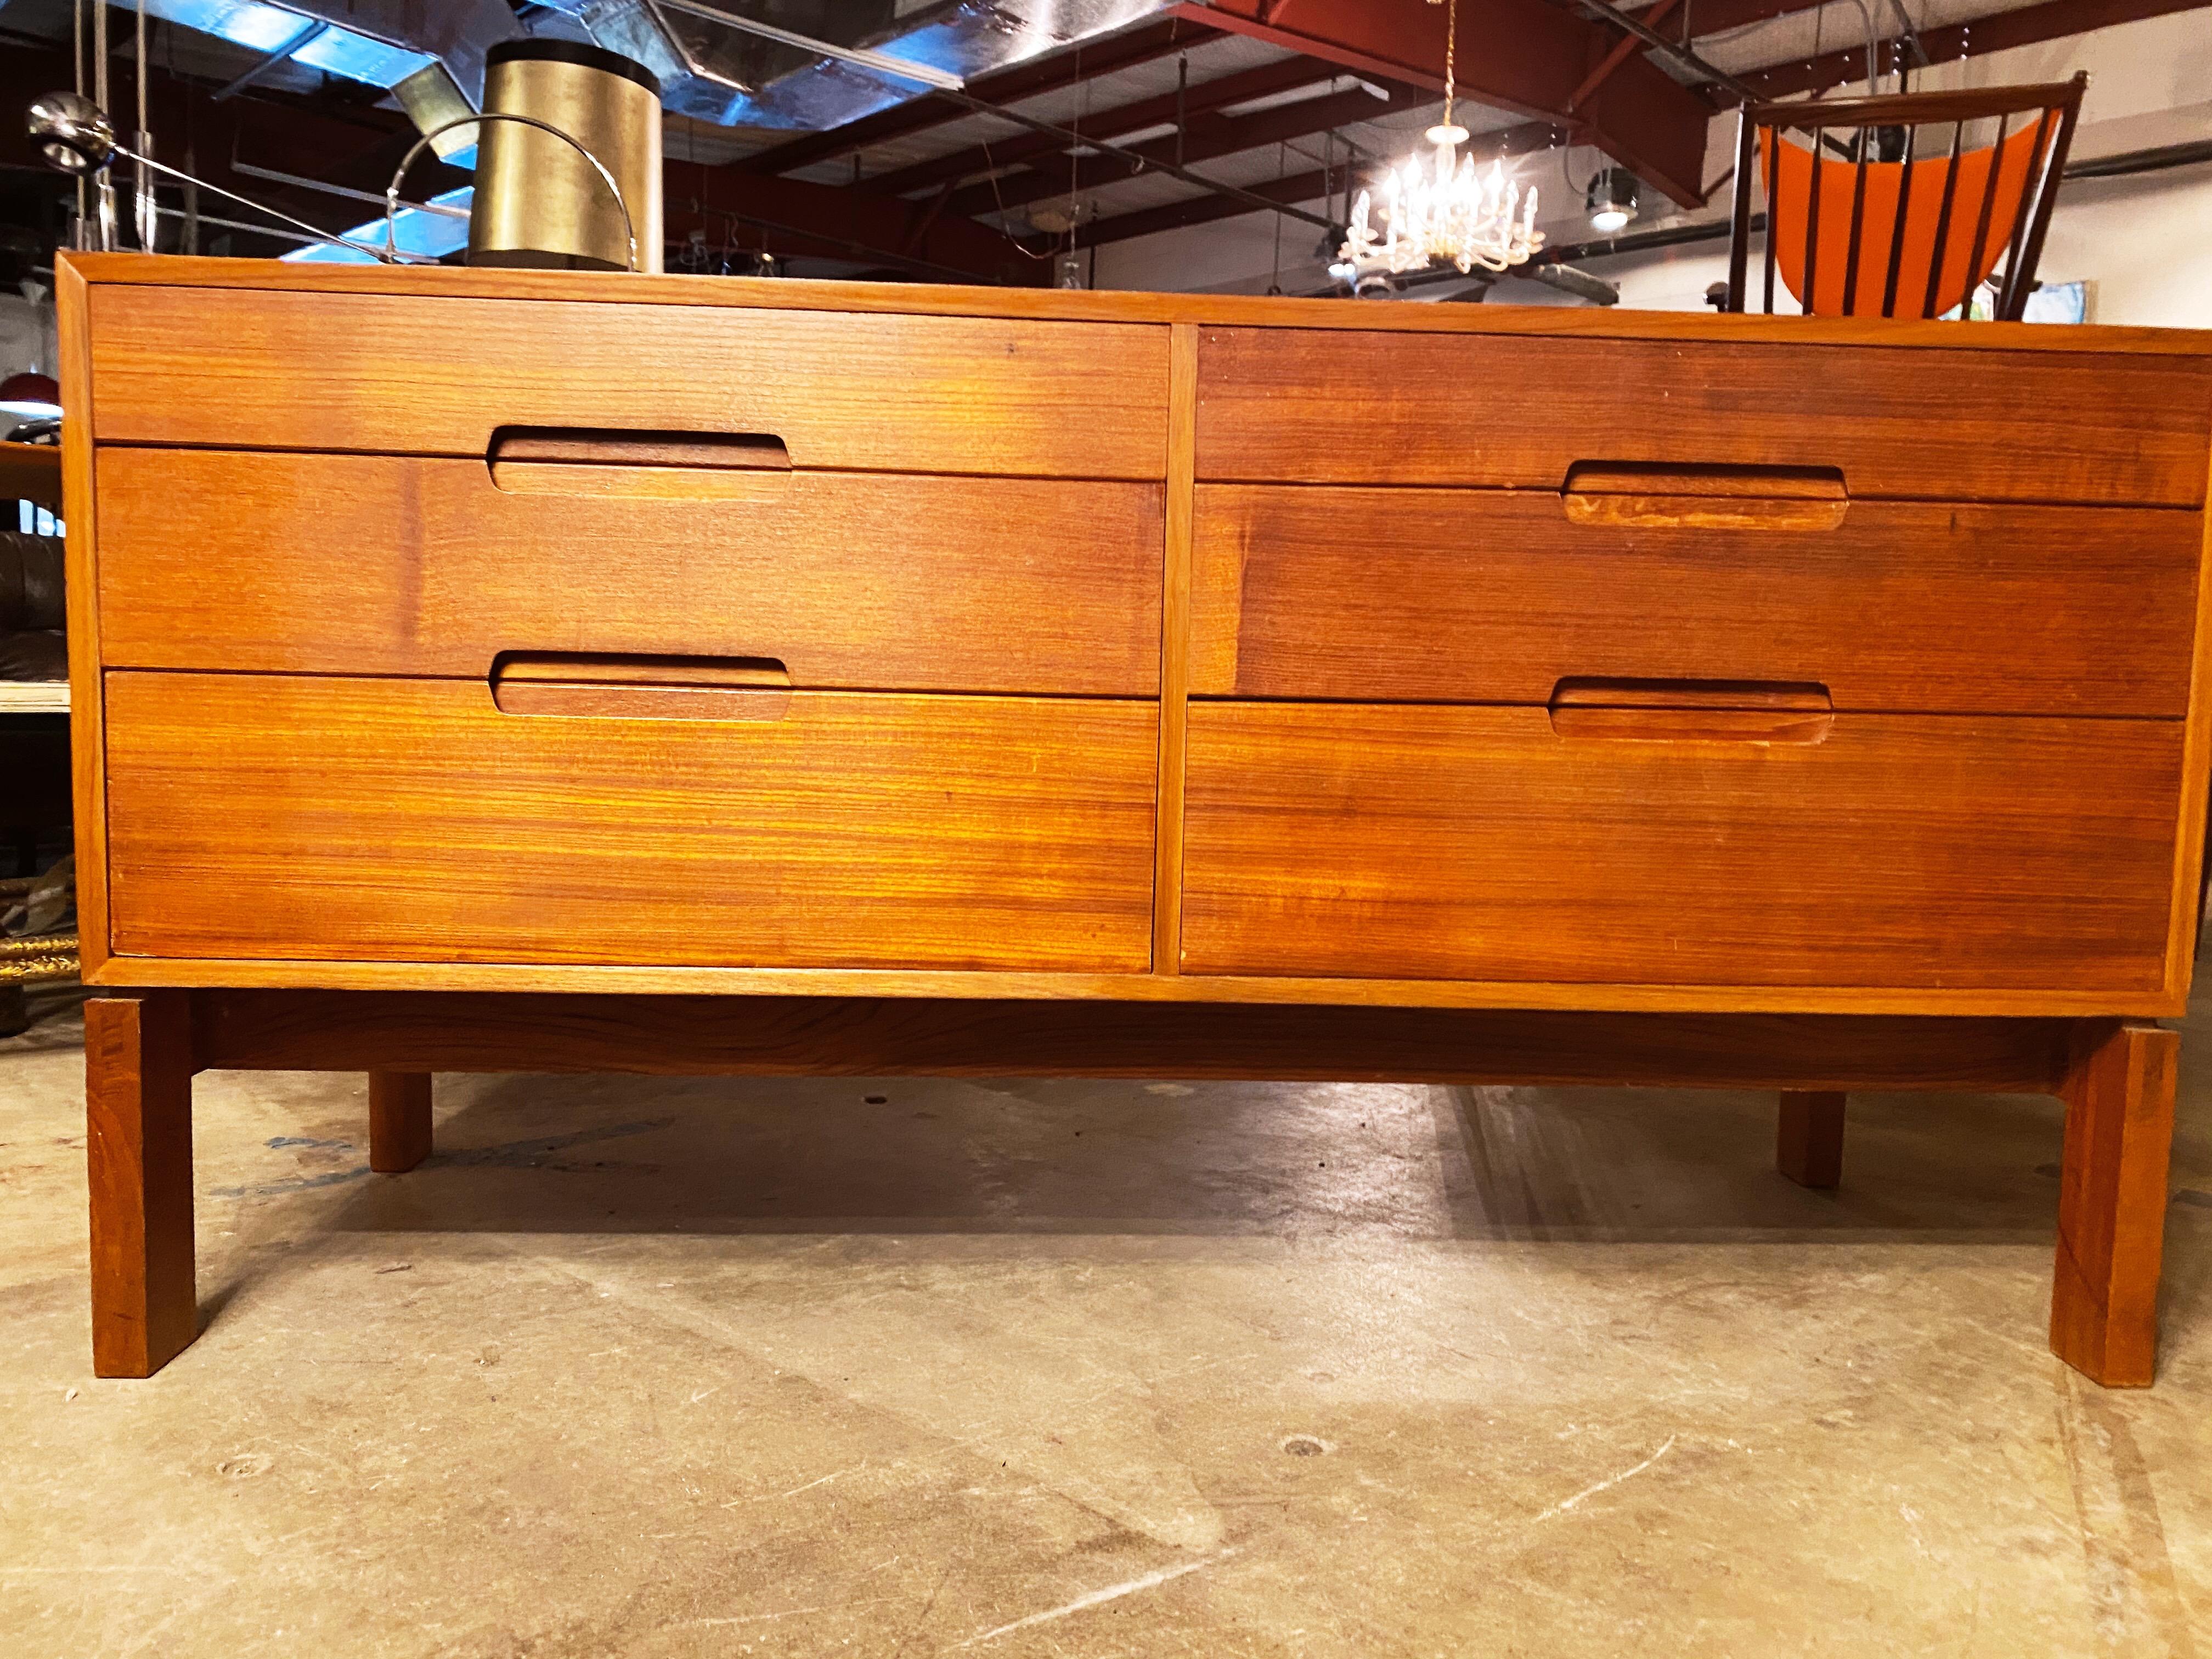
(1215, 310)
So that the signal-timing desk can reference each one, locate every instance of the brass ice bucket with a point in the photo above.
(539, 202)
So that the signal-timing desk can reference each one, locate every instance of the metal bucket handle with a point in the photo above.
(391, 191)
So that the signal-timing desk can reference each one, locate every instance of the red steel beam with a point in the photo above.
(731, 232)
(1211, 136)
(1709, 17)
(1202, 99)
(2052, 21)
(839, 222)
(1526, 56)
(1296, 189)
(1291, 192)
(1008, 85)
(1396, 40)
(1615, 58)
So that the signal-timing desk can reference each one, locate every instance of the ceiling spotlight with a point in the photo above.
(1612, 199)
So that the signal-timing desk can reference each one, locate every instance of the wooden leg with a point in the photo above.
(138, 1144)
(2111, 1203)
(1809, 1147)
(399, 1120)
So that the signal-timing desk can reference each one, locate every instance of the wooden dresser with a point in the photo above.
(519, 671)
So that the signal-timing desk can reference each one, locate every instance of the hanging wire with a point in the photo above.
(1344, 171)
(188, 239)
(1075, 165)
(1579, 192)
(77, 64)
(1282, 171)
(991, 170)
(1451, 56)
(1873, 46)
(142, 175)
(1075, 150)
(104, 190)
(1182, 93)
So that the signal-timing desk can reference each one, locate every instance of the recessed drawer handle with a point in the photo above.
(593, 685)
(1678, 711)
(548, 460)
(1717, 495)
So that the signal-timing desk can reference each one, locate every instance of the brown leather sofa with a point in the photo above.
(32, 644)
(34, 768)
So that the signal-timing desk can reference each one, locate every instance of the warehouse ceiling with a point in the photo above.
(836, 166)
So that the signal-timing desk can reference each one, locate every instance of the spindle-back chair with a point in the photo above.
(1918, 234)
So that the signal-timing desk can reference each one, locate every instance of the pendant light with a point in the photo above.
(1447, 212)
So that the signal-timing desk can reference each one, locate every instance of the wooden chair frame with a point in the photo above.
(2058, 107)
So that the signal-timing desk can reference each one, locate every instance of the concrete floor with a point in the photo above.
(659, 1368)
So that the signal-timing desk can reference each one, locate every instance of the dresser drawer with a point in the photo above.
(439, 376)
(1323, 406)
(366, 564)
(1496, 596)
(1482, 844)
(267, 817)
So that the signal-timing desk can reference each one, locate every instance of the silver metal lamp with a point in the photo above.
(75, 135)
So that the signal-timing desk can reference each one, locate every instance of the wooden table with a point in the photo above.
(541, 672)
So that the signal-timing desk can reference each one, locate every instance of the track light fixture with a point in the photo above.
(1613, 195)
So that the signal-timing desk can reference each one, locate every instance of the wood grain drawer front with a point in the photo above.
(1904, 851)
(256, 816)
(212, 559)
(1494, 596)
(410, 375)
(1318, 406)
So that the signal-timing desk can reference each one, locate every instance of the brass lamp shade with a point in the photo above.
(538, 203)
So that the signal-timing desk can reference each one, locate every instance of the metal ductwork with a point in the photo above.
(715, 72)
(377, 42)
(710, 69)
(458, 33)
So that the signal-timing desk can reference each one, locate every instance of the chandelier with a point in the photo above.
(1448, 212)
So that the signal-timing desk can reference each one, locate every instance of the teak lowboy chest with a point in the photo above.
(530, 671)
